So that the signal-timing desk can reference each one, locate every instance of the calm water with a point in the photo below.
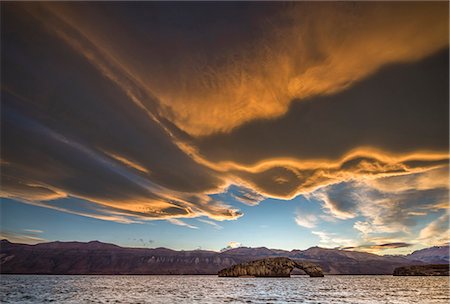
(211, 289)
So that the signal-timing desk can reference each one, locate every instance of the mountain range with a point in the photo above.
(101, 258)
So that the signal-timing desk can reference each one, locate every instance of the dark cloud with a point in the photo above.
(395, 245)
(215, 66)
(83, 105)
(278, 181)
(378, 126)
(379, 247)
(62, 121)
(400, 109)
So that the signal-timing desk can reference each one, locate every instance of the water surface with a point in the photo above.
(212, 289)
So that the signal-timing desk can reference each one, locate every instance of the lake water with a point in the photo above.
(212, 289)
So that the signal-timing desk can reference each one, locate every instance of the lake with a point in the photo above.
(212, 289)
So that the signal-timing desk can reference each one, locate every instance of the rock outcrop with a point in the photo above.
(271, 267)
(423, 270)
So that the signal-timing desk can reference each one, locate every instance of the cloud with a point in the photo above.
(91, 209)
(268, 57)
(129, 163)
(316, 143)
(181, 223)
(340, 200)
(379, 248)
(97, 144)
(388, 205)
(430, 179)
(387, 211)
(306, 220)
(399, 212)
(437, 232)
(232, 245)
(247, 196)
(28, 237)
(333, 240)
(34, 230)
(213, 224)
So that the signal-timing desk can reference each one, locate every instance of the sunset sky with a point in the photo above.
(214, 124)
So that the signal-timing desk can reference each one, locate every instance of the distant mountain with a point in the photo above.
(101, 258)
(334, 261)
(432, 255)
(255, 252)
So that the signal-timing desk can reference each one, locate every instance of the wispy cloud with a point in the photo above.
(129, 162)
(376, 248)
(333, 240)
(214, 224)
(437, 232)
(23, 238)
(181, 223)
(34, 230)
(306, 220)
(247, 196)
(389, 211)
(232, 245)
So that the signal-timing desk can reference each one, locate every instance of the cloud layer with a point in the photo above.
(214, 67)
(345, 103)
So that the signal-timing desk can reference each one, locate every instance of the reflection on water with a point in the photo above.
(212, 289)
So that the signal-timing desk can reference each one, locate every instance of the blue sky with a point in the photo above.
(270, 224)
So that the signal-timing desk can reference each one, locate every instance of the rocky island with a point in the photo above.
(423, 270)
(271, 267)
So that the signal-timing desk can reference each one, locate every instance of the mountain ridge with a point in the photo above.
(103, 258)
(237, 250)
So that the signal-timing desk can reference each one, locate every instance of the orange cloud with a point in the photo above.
(129, 162)
(16, 188)
(299, 51)
(305, 176)
(195, 107)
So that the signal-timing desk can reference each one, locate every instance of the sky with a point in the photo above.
(215, 125)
